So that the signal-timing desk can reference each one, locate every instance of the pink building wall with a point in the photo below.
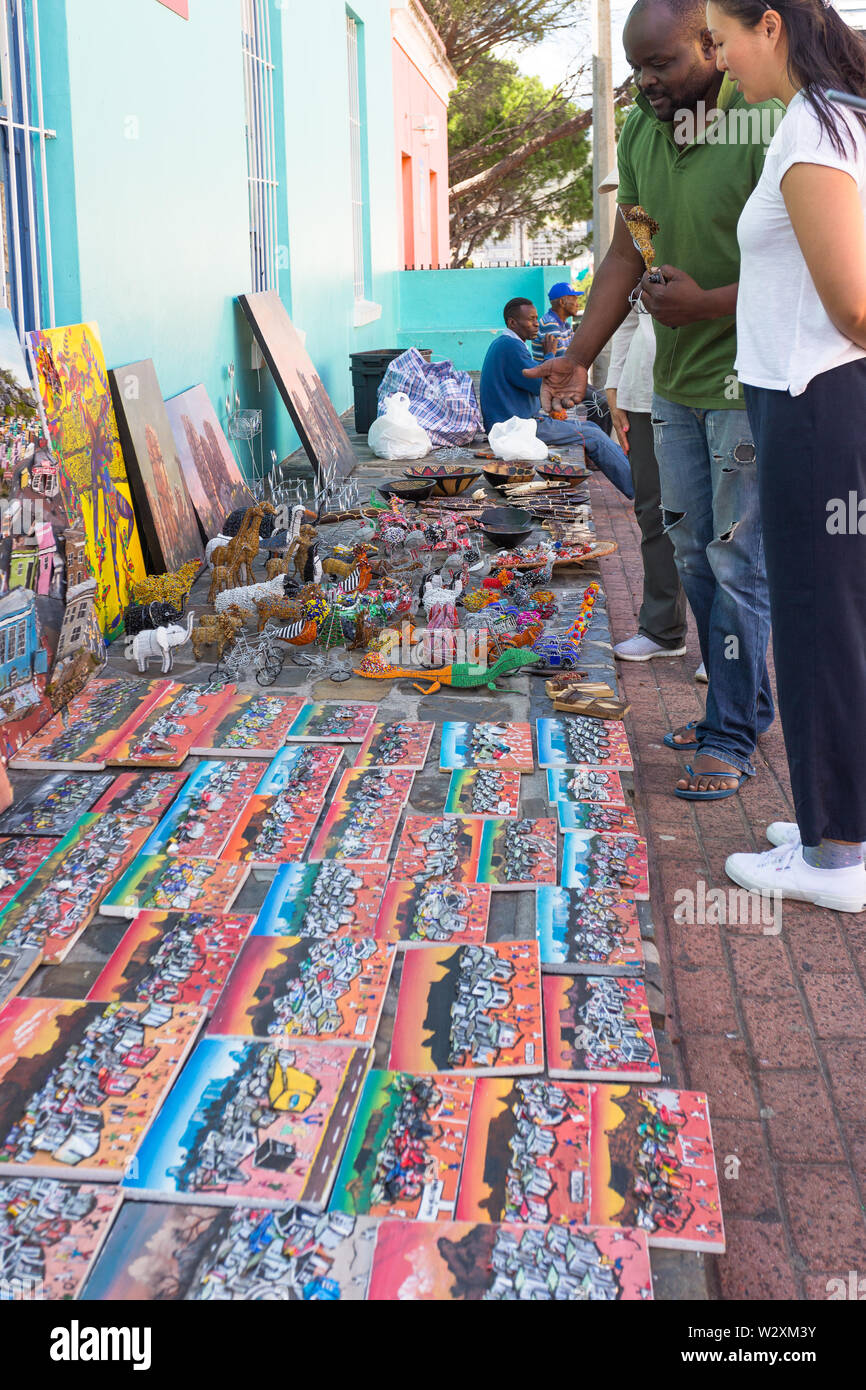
(422, 166)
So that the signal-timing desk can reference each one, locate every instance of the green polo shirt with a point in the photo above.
(696, 192)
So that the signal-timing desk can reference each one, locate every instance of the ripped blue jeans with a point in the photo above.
(709, 490)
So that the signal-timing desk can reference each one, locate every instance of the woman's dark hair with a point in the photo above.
(822, 52)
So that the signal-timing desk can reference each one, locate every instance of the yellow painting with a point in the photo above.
(73, 384)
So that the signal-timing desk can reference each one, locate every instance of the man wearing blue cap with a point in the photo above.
(554, 328)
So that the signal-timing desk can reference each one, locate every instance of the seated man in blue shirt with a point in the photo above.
(555, 332)
(506, 392)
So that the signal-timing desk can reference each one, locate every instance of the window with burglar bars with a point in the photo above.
(261, 143)
(356, 138)
(26, 268)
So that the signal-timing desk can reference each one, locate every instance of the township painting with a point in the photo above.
(517, 853)
(94, 486)
(304, 773)
(253, 1122)
(250, 726)
(652, 1166)
(135, 794)
(527, 1152)
(402, 743)
(50, 1234)
(17, 965)
(578, 740)
(201, 819)
(175, 883)
(486, 745)
(606, 861)
(430, 849)
(80, 1082)
(405, 1149)
(333, 722)
(277, 823)
(415, 913)
(363, 816)
(19, 860)
(597, 1027)
(474, 1009)
(320, 899)
(167, 731)
(461, 1262)
(598, 785)
(483, 792)
(173, 958)
(588, 933)
(52, 806)
(323, 989)
(210, 470)
(164, 508)
(161, 1251)
(83, 735)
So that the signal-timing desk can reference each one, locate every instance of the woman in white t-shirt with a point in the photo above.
(801, 358)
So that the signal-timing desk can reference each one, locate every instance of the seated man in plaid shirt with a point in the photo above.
(506, 392)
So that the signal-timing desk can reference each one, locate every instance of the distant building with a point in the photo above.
(423, 82)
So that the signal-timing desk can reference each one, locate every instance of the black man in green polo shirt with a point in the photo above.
(690, 153)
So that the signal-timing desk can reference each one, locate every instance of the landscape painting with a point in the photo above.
(210, 469)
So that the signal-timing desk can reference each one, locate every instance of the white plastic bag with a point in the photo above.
(397, 434)
(517, 439)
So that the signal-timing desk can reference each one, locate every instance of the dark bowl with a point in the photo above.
(500, 474)
(506, 526)
(560, 472)
(408, 489)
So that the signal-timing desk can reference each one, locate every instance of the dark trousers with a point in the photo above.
(811, 476)
(663, 611)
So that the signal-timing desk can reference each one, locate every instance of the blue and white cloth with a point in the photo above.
(442, 400)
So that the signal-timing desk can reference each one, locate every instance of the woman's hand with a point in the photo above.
(619, 418)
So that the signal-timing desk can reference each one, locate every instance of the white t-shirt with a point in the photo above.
(784, 335)
(632, 353)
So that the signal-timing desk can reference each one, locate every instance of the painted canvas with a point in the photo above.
(588, 933)
(601, 785)
(250, 726)
(164, 508)
(142, 794)
(161, 1251)
(363, 816)
(17, 965)
(653, 1166)
(81, 1082)
(577, 740)
(164, 737)
(272, 830)
(19, 860)
(474, 1009)
(94, 486)
(322, 432)
(606, 861)
(485, 744)
(210, 470)
(173, 958)
(305, 773)
(484, 792)
(459, 1262)
(517, 853)
(51, 807)
(440, 913)
(320, 899)
(333, 722)
(64, 895)
(201, 819)
(404, 1152)
(527, 1152)
(253, 1122)
(431, 849)
(81, 738)
(50, 1235)
(162, 882)
(323, 989)
(402, 743)
(597, 1028)
(595, 819)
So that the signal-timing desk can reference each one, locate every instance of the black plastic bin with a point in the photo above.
(368, 369)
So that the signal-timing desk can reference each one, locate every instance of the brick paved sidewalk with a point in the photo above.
(772, 1027)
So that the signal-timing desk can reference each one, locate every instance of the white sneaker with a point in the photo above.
(785, 871)
(642, 648)
(783, 832)
(701, 675)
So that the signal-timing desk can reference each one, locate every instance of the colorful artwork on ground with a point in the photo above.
(605, 861)
(333, 722)
(431, 849)
(399, 744)
(161, 1251)
(92, 725)
(517, 853)
(63, 896)
(272, 830)
(588, 933)
(19, 860)
(320, 899)
(173, 958)
(484, 744)
(527, 1153)
(458, 1262)
(598, 1028)
(17, 964)
(404, 1152)
(52, 807)
(487, 793)
(253, 1122)
(163, 883)
(363, 816)
(586, 815)
(250, 726)
(439, 913)
(653, 1166)
(305, 772)
(470, 1009)
(164, 508)
(50, 1234)
(200, 821)
(137, 794)
(598, 785)
(81, 1082)
(321, 989)
(73, 384)
(167, 732)
(578, 740)
(209, 467)
(505, 854)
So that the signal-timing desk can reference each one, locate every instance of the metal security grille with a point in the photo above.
(26, 265)
(261, 143)
(356, 147)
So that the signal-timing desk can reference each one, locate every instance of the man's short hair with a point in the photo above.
(511, 308)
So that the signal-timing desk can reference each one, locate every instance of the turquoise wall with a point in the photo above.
(458, 313)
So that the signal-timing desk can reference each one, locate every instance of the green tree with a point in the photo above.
(472, 29)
